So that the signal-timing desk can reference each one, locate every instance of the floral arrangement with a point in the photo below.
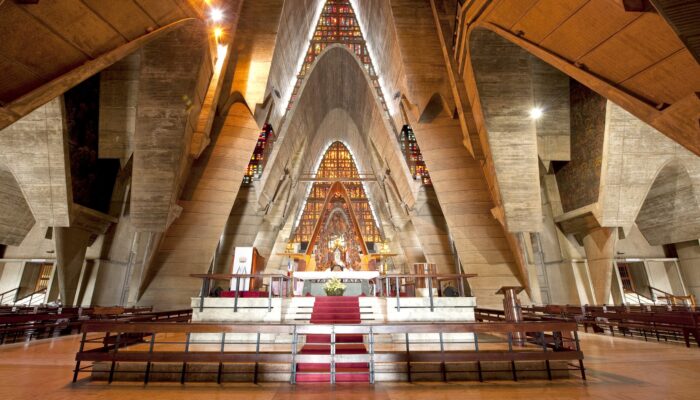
(334, 287)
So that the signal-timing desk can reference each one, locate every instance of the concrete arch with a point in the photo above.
(671, 210)
(337, 80)
(338, 125)
(634, 157)
(16, 219)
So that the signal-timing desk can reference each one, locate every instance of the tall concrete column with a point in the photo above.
(599, 244)
(71, 245)
(689, 263)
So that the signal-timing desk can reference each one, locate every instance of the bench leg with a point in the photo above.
(75, 373)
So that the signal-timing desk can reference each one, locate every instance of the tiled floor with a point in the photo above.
(618, 369)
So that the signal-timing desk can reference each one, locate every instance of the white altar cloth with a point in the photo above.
(358, 275)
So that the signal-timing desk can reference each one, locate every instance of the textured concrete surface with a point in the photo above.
(671, 211)
(15, 216)
(337, 81)
(173, 77)
(71, 245)
(689, 263)
(189, 244)
(464, 197)
(504, 80)
(35, 150)
(634, 155)
(600, 252)
(119, 89)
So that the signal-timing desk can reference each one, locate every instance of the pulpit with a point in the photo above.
(512, 309)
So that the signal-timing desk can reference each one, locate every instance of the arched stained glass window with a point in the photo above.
(337, 24)
(337, 165)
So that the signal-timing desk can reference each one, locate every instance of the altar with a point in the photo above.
(357, 283)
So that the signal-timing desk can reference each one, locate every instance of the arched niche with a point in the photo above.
(671, 210)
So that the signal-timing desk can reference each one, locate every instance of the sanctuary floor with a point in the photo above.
(617, 368)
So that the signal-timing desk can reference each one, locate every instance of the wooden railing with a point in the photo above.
(111, 343)
(47, 322)
(661, 322)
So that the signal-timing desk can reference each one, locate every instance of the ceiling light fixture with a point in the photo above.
(536, 113)
(216, 14)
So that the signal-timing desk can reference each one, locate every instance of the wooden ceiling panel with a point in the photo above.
(668, 81)
(33, 45)
(162, 11)
(592, 24)
(77, 24)
(124, 15)
(508, 12)
(14, 80)
(545, 16)
(636, 47)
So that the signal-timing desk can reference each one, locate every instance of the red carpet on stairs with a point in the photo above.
(334, 310)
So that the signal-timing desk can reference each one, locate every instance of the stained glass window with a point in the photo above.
(337, 24)
(337, 164)
(413, 156)
(261, 153)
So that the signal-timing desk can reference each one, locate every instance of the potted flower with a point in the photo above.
(334, 287)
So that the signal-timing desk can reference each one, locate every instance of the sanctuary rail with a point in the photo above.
(382, 285)
(118, 342)
(402, 280)
(208, 278)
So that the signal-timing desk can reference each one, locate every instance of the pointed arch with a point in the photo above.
(670, 212)
(337, 165)
(336, 188)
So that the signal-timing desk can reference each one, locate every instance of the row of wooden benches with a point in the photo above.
(662, 324)
(54, 321)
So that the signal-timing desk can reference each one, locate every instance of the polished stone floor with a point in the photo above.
(618, 368)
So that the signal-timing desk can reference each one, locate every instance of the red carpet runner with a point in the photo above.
(334, 310)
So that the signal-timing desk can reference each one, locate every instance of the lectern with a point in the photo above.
(512, 309)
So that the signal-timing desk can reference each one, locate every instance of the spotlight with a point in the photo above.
(536, 113)
(216, 15)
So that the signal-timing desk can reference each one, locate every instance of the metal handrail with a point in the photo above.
(382, 289)
(640, 296)
(3, 294)
(207, 278)
(386, 288)
(31, 296)
(554, 340)
(670, 297)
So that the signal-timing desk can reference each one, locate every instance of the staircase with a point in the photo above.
(334, 310)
